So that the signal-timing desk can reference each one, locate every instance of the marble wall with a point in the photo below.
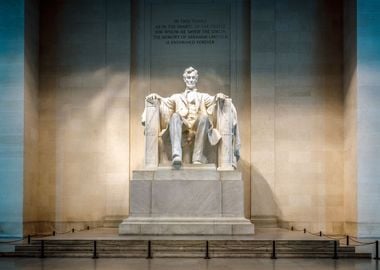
(295, 173)
(361, 85)
(11, 116)
(368, 125)
(350, 117)
(84, 105)
(306, 98)
(33, 187)
(297, 113)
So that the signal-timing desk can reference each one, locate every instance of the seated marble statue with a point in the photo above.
(195, 115)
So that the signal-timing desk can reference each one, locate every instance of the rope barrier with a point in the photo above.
(334, 238)
(12, 241)
(331, 236)
(43, 235)
(337, 235)
(315, 234)
(337, 239)
(320, 234)
(361, 243)
(271, 247)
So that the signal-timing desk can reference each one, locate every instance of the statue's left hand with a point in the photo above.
(221, 96)
(151, 97)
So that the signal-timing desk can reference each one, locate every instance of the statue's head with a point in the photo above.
(190, 77)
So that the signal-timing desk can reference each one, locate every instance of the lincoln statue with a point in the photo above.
(192, 114)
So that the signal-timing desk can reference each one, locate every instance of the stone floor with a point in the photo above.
(260, 234)
(186, 264)
(183, 264)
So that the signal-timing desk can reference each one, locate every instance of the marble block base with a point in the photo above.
(193, 200)
(186, 226)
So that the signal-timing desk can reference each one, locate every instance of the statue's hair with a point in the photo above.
(190, 70)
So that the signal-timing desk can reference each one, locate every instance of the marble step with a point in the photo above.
(188, 249)
(265, 221)
(113, 221)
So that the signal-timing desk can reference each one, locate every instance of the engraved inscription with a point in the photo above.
(189, 31)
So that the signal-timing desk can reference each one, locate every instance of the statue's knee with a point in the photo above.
(175, 116)
(203, 118)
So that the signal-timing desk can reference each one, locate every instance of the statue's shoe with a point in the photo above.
(197, 162)
(177, 162)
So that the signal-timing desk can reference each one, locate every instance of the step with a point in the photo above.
(188, 249)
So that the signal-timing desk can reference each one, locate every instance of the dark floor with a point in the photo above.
(186, 264)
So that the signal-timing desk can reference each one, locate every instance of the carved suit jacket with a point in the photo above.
(201, 103)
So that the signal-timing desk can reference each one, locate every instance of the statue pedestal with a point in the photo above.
(193, 200)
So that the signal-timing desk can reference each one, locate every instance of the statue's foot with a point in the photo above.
(197, 162)
(177, 162)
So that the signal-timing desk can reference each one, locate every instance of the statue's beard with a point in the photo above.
(191, 85)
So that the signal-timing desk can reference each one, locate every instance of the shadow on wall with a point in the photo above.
(266, 205)
(244, 168)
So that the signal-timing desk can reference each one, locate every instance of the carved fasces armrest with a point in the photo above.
(151, 121)
(224, 114)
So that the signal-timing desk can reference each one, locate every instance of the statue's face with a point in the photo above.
(190, 80)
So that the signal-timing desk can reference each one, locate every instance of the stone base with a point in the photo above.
(186, 226)
(194, 200)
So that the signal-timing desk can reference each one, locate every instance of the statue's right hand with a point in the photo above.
(152, 97)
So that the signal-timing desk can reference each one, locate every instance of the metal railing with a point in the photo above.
(270, 247)
(340, 237)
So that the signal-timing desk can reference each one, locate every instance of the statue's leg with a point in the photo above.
(200, 138)
(175, 128)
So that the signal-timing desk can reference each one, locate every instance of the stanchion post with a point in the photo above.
(72, 230)
(304, 230)
(149, 256)
(88, 228)
(207, 255)
(320, 233)
(95, 254)
(377, 250)
(335, 257)
(347, 240)
(273, 250)
(28, 239)
(42, 251)
(292, 228)
(53, 233)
